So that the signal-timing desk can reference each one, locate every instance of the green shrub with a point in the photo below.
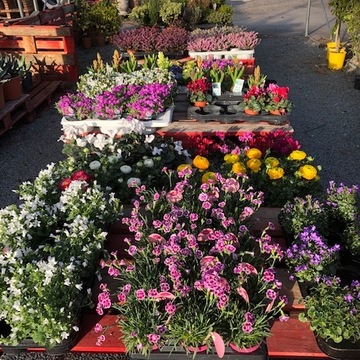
(221, 16)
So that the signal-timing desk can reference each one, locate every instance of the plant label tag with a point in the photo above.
(216, 89)
(238, 86)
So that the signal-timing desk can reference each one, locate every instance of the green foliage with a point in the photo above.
(105, 16)
(170, 11)
(140, 14)
(192, 15)
(222, 16)
(333, 311)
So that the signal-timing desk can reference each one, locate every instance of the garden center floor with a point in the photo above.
(325, 116)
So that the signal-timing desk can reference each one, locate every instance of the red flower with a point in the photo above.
(81, 175)
(64, 183)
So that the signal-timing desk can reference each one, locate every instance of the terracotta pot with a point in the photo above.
(245, 350)
(86, 42)
(251, 112)
(2, 98)
(100, 40)
(13, 88)
(199, 103)
(277, 112)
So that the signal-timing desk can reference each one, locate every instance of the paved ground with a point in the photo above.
(326, 106)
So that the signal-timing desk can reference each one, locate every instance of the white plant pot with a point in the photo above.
(244, 54)
(117, 127)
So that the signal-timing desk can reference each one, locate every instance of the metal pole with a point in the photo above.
(307, 18)
(21, 10)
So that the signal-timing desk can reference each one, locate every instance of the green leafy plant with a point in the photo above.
(332, 310)
(170, 11)
(223, 15)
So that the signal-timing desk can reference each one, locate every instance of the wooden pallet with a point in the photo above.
(46, 39)
(29, 105)
(13, 112)
(42, 93)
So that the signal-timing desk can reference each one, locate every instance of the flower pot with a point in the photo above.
(27, 83)
(336, 59)
(277, 112)
(344, 350)
(2, 98)
(245, 350)
(198, 349)
(86, 42)
(251, 112)
(100, 40)
(200, 104)
(357, 82)
(13, 88)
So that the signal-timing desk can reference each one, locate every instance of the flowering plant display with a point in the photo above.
(332, 309)
(151, 39)
(117, 162)
(50, 245)
(309, 256)
(197, 273)
(302, 212)
(277, 99)
(199, 89)
(279, 171)
(335, 214)
(222, 38)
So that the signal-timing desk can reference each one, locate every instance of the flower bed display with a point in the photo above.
(114, 99)
(223, 42)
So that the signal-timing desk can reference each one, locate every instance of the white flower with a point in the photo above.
(95, 165)
(157, 151)
(149, 163)
(149, 138)
(126, 169)
(134, 182)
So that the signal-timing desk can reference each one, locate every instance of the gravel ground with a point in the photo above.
(325, 115)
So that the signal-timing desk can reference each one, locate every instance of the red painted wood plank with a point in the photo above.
(88, 336)
(293, 339)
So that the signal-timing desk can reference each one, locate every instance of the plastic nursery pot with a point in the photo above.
(245, 350)
(357, 82)
(336, 59)
(331, 45)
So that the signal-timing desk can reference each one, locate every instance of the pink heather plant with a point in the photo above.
(197, 271)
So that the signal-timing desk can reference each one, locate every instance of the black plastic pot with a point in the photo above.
(346, 350)
(357, 82)
(168, 352)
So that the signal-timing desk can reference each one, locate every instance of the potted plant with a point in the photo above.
(48, 259)
(25, 74)
(105, 19)
(254, 100)
(204, 272)
(277, 101)
(309, 257)
(199, 91)
(332, 310)
(12, 86)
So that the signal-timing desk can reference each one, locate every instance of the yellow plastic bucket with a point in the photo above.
(330, 46)
(336, 59)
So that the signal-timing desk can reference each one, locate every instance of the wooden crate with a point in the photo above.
(47, 40)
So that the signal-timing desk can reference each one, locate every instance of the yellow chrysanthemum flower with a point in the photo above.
(231, 158)
(297, 155)
(182, 167)
(271, 162)
(308, 172)
(201, 162)
(239, 168)
(209, 175)
(275, 173)
(253, 153)
(254, 165)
